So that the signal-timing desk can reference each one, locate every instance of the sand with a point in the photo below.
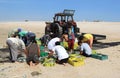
(93, 68)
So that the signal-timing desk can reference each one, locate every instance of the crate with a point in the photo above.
(42, 48)
(49, 62)
(76, 61)
(38, 41)
(99, 56)
(94, 52)
(43, 54)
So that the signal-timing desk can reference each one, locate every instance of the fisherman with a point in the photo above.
(16, 46)
(88, 38)
(14, 31)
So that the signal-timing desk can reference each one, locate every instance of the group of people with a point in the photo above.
(25, 45)
(85, 42)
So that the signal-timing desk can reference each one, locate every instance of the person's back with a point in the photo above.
(16, 47)
(61, 52)
(85, 48)
(33, 52)
(22, 33)
(51, 43)
(32, 49)
(88, 38)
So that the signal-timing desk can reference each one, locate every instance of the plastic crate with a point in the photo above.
(99, 56)
(94, 52)
(38, 41)
(49, 62)
(42, 48)
(43, 54)
(76, 61)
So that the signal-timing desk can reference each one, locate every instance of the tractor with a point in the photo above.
(60, 24)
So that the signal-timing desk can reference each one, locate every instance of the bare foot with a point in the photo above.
(17, 62)
(64, 64)
(31, 63)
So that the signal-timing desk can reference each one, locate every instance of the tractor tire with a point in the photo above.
(47, 30)
(56, 29)
(60, 30)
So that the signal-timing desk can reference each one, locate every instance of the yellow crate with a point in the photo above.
(73, 55)
(76, 45)
(49, 62)
(94, 52)
(77, 56)
(76, 61)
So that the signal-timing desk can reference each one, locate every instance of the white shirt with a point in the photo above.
(18, 42)
(86, 48)
(52, 42)
(61, 52)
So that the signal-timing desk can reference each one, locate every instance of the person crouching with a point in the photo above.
(33, 52)
(62, 55)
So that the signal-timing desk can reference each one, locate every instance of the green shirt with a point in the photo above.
(22, 33)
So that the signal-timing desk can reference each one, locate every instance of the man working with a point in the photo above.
(87, 38)
(16, 47)
(62, 55)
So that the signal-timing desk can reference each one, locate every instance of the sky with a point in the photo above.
(44, 10)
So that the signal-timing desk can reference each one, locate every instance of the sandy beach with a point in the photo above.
(93, 68)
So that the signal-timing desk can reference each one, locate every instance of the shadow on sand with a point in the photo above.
(100, 45)
(4, 55)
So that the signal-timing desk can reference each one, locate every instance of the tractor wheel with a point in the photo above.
(56, 29)
(60, 30)
(47, 29)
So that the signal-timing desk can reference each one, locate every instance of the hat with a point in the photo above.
(19, 29)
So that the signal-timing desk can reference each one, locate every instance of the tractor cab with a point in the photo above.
(66, 16)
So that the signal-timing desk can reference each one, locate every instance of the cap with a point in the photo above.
(19, 29)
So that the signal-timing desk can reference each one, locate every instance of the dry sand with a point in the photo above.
(93, 68)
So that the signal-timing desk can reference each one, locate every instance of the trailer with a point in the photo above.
(97, 37)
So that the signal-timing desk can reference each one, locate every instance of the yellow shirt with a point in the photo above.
(87, 37)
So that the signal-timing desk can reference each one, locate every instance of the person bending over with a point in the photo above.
(84, 49)
(16, 47)
(33, 52)
(62, 55)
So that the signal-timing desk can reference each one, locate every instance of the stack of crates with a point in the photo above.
(76, 60)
